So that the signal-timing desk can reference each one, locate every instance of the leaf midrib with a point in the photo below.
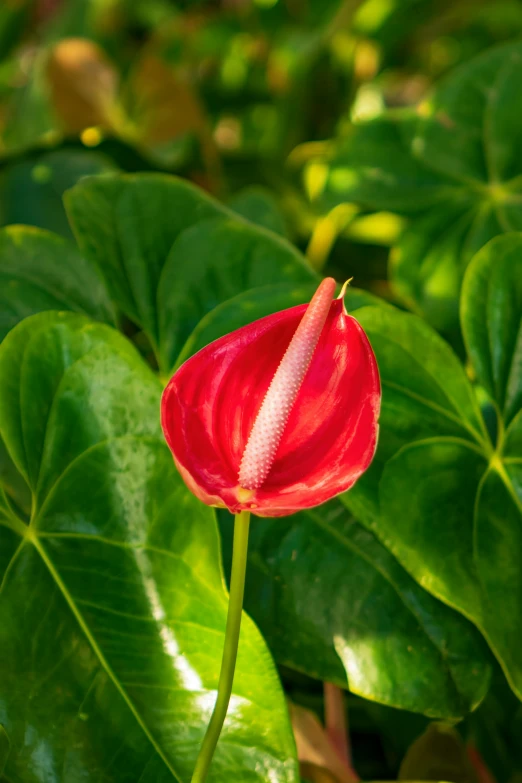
(481, 439)
(353, 548)
(491, 94)
(34, 539)
(127, 545)
(438, 409)
(503, 475)
(448, 598)
(513, 367)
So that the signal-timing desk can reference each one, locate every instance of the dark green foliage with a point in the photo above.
(190, 220)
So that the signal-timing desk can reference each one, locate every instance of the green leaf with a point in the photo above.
(5, 747)
(260, 206)
(112, 606)
(430, 257)
(170, 253)
(12, 482)
(31, 190)
(468, 129)
(492, 320)
(392, 25)
(127, 225)
(494, 730)
(335, 604)
(41, 271)
(9, 538)
(373, 165)
(13, 17)
(438, 495)
(212, 262)
(426, 394)
(29, 119)
(458, 155)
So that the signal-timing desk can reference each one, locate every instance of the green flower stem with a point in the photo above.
(228, 662)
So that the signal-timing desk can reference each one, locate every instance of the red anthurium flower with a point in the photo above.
(280, 415)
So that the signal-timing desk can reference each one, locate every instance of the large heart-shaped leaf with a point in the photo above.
(128, 224)
(459, 155)
(41, 271)
(426, 394)
(170, 253)
(112, 607)
(440, 495)
(334, 603)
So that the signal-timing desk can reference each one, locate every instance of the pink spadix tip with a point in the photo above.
(270, 422)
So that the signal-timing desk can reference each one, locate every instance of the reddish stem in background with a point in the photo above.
(336, 724)
(483, 773)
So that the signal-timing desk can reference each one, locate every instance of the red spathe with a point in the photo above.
(210, 404)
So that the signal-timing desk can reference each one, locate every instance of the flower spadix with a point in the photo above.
(280, 415)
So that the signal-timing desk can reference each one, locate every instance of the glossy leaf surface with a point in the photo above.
(170, 253)
(115, 582)
(496, 727)
(492, 321)
(41, 271)
(333, 603)
(444, 499)
(459, 155)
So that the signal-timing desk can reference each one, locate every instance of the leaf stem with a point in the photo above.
(228, 662)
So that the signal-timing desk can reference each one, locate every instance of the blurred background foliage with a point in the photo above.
(240, 96)
(246, 98)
